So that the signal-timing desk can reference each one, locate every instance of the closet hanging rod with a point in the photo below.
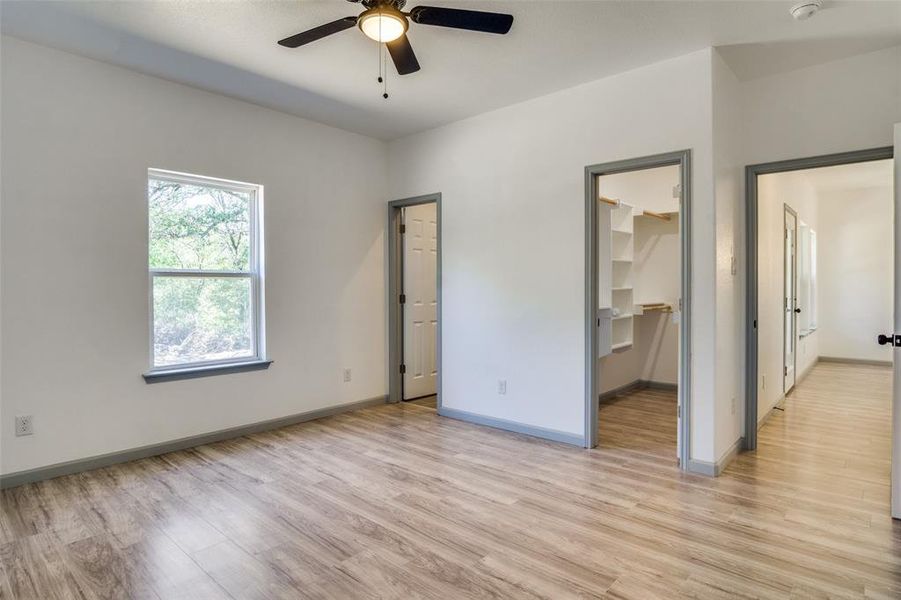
(660, 216)
(610, 201)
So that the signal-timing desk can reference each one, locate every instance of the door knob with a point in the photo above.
(890, 340)
(797, 310)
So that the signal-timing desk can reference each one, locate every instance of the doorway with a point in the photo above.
(414, 300)
(819, 299)
(623, 234)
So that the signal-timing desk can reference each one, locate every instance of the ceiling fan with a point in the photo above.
(384, 22)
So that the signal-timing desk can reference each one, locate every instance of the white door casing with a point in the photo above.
(420, 285)
(896, 384)
(790, 299)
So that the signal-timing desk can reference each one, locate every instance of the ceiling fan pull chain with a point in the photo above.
(378, 45)
(385, 88)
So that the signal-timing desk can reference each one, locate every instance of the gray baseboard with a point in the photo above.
(660, 385)
(104, 460)
(539, 432)
(856, 361)
(702, 467)
(634, 386)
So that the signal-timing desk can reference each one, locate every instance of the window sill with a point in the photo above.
(160, 375)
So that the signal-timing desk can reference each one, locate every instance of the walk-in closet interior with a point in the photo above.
(639, 279)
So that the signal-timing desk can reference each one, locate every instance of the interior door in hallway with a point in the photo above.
(420, 286)
(896, 392)
(790, 301)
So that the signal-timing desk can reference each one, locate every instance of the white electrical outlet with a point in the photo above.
(502, 386)
(24, 425)
(347, 375)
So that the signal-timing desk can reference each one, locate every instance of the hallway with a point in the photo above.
(831, 447)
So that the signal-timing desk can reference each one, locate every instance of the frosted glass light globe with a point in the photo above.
(383, 25)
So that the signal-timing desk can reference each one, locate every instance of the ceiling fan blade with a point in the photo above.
(473, 20)
(311, 35)
(403, 56)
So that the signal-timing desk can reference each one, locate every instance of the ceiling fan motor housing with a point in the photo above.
(398, 4)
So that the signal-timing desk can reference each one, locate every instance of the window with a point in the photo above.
(205, 267)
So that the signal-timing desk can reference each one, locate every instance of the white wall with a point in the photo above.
(855, 271)
(848, 104)
(78, 138)
(648, 189)
(657, 279)
(773, 193)
(729, 273)
(512, 184)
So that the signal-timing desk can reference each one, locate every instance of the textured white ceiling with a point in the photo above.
(230, 48)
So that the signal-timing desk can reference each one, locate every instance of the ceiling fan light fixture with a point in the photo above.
(383, 24)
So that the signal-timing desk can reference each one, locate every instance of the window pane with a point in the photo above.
(201, 319)
(194, 227)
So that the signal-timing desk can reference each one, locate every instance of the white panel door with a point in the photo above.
(896, 393)
(420, 300)
(790, 300)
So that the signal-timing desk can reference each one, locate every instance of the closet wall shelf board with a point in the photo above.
(656, 215)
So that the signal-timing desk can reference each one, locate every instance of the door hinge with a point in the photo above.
(785, 371)
(403, 298)
(403, 369)
(403, 229)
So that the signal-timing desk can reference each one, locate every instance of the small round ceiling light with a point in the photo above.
(383, 24)
(806, 9)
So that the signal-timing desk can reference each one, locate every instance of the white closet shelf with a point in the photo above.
(622, 231)
(663, 216)
(622, 289)
(623, 260)
(626, 316)
(621, 346)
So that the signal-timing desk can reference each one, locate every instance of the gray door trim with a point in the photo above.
(395, 288)
(751, 173)
(683, 159)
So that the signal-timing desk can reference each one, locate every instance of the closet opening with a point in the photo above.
(638, 274)
(414, 284)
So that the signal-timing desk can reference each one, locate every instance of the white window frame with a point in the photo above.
(254, 274)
